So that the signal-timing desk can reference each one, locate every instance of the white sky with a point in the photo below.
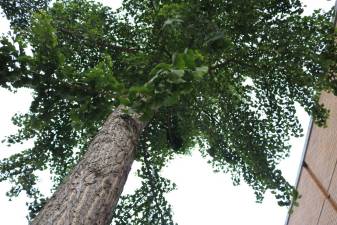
(203, 197)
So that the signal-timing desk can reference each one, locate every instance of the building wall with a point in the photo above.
(317, 182)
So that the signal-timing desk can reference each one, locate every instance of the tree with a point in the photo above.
(168, 75)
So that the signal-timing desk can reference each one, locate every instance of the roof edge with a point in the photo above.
(304, 153)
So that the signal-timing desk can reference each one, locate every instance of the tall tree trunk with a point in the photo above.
(91, 192)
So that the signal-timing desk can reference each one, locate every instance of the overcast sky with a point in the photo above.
(202, 196)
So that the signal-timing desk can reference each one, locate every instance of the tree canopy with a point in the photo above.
(224, 76)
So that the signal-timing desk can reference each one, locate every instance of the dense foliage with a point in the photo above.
(19, 12)
(221, 75)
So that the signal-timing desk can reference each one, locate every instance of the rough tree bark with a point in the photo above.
(91, 192)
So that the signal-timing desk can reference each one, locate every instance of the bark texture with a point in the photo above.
(92, 190)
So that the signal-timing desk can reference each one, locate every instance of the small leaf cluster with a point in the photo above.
(168, 83)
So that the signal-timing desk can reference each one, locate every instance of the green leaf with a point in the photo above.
(145, 89)
(178, 61)
(200, 72)
(214, 37)
(171, 100)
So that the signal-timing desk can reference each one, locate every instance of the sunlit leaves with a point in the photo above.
(101, 76)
